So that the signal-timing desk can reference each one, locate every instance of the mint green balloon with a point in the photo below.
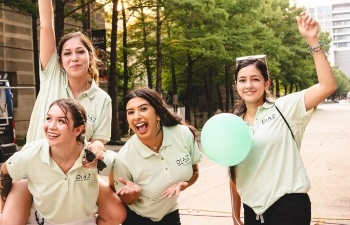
(226, 139)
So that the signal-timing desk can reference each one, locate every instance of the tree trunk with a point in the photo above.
(146, 53)
(227, 88)
(188, 97)
(126, 71)
(36, 54)
(59, 19)
(112, 84)
(159, 52)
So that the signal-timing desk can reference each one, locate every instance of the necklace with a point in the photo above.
(157, 146)
(60, 158)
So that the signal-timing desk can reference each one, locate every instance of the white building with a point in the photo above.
(333, 17)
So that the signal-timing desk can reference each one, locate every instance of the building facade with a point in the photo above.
(333, 17)
(17, 58)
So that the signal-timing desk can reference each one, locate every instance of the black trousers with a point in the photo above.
(290, 209)
(133, 218)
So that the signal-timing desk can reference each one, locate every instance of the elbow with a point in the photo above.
(332, 89)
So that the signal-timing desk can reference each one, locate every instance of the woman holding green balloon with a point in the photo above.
(272, 182)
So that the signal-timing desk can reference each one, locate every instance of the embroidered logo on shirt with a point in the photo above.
(91, 119)
(268, 119)
(183, 160)
(83, 177)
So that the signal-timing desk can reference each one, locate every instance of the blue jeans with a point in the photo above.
(290, 209)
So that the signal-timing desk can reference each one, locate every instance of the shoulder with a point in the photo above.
(99, 92)
(33, 148)
(293, 97)
(178, 130)
(36, 143)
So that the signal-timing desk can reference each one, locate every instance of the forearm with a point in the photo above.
(195, 175)
(323, 69)
(45, 13)
(47, 34)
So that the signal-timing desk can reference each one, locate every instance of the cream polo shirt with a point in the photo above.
(157, 172)
(274, 166)
(53, 86)
(58, 197)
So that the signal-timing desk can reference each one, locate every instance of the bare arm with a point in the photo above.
(47, 32)
(308, 28)
(195, 175)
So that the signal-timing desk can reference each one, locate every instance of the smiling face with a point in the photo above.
(75, 58)
(59, 127)
(251, 85)
(142, 118)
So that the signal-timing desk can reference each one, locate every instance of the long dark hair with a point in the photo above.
(167, 118)
(240, 106)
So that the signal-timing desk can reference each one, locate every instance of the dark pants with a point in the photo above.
(133, 218)
(290, 209)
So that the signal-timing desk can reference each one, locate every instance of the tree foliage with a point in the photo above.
(187, 48)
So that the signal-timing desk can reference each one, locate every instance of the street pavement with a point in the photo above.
(326, 155)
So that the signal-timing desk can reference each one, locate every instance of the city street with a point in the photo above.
(326, 154)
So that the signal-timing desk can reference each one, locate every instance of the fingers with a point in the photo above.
(87, 164)
(305, 20)
(126, 191)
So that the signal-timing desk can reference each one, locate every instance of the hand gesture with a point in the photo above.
(130, 188)
(175, 189)
(307, 26)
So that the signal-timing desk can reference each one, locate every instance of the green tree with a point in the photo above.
(343, 83)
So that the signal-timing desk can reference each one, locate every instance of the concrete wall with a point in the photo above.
(16, 57)
(342, 59)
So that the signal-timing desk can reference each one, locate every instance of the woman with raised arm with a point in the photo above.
(272, 182)
(68, 72)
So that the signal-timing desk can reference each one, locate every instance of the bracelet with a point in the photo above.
(316, 48)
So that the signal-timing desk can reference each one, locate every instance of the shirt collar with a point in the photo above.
(90, 92)
(45, 153)
(267, 105)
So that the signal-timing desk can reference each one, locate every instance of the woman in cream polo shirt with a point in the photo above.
(64, 191)
(272, 182)
(68, 72)
(157, 162)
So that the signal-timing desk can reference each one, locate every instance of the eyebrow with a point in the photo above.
(144, 104)
(61, 117)
(77, 48)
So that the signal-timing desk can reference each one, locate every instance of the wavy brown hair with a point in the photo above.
(92, 71)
